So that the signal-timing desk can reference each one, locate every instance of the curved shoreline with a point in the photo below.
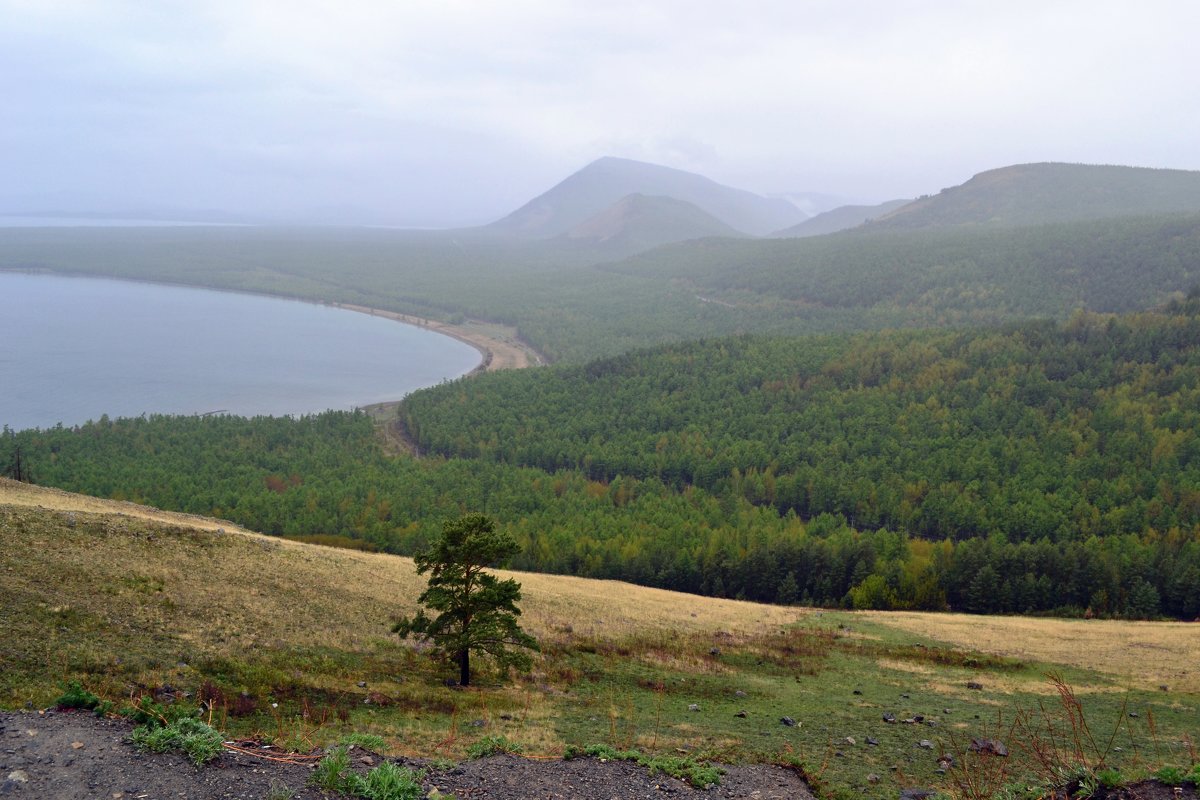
(498, 348)
(496, 353)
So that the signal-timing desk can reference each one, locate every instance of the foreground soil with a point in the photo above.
(69, 755)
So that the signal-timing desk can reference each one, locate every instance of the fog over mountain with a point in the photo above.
(453, 114)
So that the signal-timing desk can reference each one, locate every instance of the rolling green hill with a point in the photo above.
(638, 222)
(839, 219)
(1034, 194)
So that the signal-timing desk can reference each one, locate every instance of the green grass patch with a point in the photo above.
(199, 741)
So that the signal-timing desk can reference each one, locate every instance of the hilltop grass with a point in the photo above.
(289, 642)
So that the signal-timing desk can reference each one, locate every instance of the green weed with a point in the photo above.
(384, 782)
(490, 745)
(199, 741)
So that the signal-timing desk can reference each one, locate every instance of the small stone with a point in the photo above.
(18, 776)
(1133, 715)
(788, 721)
(889, 717)
(741, 714)
(76, 745)
(976, 685)
(904, 696)
(945, 711)
(716, 651)
(872, 777)
(739, 693)
(362, 684)
(1164, 688)
(839, 754)
(858, 691)
(850, 740)
(478, 723)
(925, 744)
(693, 707)
(367, 761)
(872, 741)
(916, 794)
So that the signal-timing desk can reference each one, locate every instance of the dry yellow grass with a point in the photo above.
(348, 596)
(1140, 655)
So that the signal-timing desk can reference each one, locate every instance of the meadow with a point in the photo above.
(290, 642)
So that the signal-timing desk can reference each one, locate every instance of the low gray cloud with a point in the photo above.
(454, 111)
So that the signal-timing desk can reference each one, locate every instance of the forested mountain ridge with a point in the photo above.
(639, 222)
(605, 181)
(1034, 194)
(839, 219)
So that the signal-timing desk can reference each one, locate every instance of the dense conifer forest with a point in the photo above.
(1037, 468)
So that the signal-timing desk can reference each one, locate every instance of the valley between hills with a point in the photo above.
(861, 503)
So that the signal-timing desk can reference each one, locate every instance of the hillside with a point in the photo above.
(605, 181)
(839, 219)
(1035, 194)
(289, 642)
(1071, 443)
(638, 222)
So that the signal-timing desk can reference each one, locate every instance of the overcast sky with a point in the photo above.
(454, 111)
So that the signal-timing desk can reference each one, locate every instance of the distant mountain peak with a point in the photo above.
(607, 180)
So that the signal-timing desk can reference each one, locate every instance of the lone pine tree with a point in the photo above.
(475, 610)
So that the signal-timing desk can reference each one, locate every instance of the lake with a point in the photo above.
(72, 349)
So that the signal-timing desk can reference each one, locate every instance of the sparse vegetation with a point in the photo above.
(196, 739)
(386, 781)
(620, 665)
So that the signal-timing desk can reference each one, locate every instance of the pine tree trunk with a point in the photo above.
(464, 668)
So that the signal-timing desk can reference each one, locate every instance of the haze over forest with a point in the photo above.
(455, 114)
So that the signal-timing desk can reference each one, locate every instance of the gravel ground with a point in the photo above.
(69, 755)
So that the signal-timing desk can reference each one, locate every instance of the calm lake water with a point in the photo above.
(72, 349)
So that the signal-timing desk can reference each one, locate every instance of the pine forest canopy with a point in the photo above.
(1039, 468)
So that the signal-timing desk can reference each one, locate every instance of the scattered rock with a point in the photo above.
(904, 697)
(925, 744)
(916, 794)
(716, 651)
(741, 714)
(693, 707)
(974, 685)
(993, 747)
(739, 693)
(362, 684)
(850, 740)
(872, 741)
(945, 761)
(1133, 714)
(788, 721)
(889, 717)
(18, 776)
(1164, 688)
(478, 723)
(872, 777)
(858, 691)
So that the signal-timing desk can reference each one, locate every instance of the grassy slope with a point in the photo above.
(148, 601)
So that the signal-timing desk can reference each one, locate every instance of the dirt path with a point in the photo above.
(75, 755)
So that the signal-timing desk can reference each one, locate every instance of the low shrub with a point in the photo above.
(198, 740)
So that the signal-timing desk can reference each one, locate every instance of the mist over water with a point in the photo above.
(72, 349)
